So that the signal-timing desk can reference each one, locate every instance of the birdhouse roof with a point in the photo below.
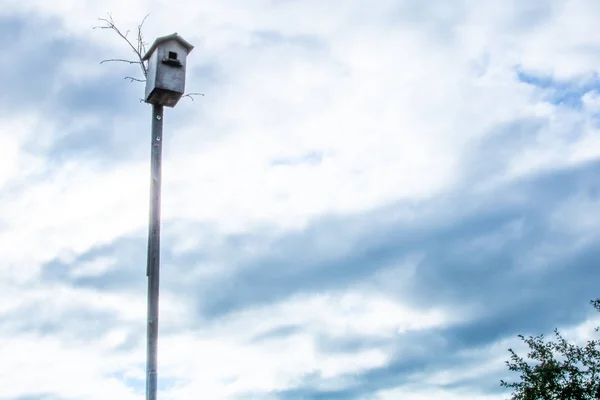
(173, 36)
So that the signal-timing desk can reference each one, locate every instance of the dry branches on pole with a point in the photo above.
(138, 46)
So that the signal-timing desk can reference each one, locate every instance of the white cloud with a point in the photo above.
(227, 349)
(94, 268)
(390, 108)
(392, 95)
(414, 393)
(14, 163)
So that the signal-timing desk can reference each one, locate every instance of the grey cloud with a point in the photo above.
(34, 78)
(406, 367)
(474, 252)
(455, 267)
(278, 333)
(35, 396)
(34, 63)
(74, 323)
(564, 92)
(312, 158)
(273, 38)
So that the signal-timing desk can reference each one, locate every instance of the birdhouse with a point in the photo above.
(165, 77)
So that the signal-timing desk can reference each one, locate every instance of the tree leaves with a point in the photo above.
(557, 370)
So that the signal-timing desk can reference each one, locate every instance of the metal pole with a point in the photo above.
(153, 267)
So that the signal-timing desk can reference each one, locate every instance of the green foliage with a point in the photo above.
(560, 370)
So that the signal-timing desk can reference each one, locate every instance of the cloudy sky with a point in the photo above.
(370, 202)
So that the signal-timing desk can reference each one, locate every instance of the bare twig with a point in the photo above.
(191, 95)
(119, 60)
(141, 43)
(132, 79)
(139, 50)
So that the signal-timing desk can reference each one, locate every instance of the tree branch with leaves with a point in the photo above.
(559, 371)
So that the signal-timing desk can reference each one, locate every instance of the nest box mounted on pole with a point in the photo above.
(165, 80)
(165, 84)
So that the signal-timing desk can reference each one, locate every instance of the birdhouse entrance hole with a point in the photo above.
(172, 55)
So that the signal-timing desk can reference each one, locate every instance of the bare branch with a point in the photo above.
(143, 20)
(132, 79)
(110, 24)
(139, 49)
(141, 43)
(119, 60)
(191, 95)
